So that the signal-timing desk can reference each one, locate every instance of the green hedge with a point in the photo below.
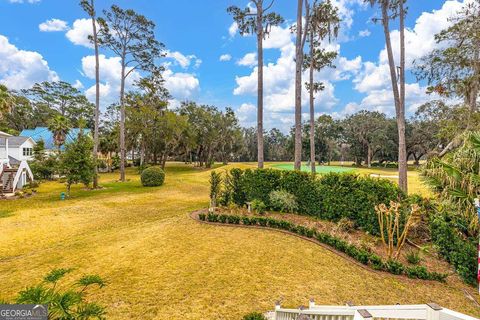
(361, 255)
(331, 197)
(460, 252)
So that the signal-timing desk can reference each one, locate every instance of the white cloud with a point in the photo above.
(79, 33)
(20, 69)
(249, 60)
(247, 115)
(374, 78)
(110, 74)
(225, 57)
(232, 30)
(364, 33)
(53, 25)
(279, 83)
(278, 38)
(78, 85)
(183, 60)
(181, 85)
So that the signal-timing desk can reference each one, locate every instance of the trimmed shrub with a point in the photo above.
(283, 201)
(238, 193)
(331, 197)
(257, 184)
(254, 316)
(152, 177)
(394, 267)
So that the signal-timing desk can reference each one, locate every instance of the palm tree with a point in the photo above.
(456, 177)
(7, 101)
(59, 126)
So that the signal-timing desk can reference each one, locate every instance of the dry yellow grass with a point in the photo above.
(160, 264)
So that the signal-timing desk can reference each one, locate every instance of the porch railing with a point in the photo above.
(412, 312)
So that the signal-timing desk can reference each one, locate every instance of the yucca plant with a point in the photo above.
(456, 178)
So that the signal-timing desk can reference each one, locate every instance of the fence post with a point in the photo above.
(433, 311)
(311, 303)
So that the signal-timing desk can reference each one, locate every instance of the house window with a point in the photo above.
(27, 152)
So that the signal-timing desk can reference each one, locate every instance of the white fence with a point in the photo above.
(410, 312)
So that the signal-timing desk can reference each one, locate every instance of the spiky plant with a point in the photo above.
(456, 178)
(64, 303)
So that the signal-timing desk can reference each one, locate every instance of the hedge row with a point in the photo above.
(359, 254)
(331, 197)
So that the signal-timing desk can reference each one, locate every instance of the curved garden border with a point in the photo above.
(195, 216)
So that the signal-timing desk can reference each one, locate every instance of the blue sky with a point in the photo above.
(198, 33)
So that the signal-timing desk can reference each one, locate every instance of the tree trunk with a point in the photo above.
(400, 112)
(142, 153)
(369, 156)
(298, 88)
(312, 109)
(97, 99)
(164, 160)
(402, 144)
(260, 154)
(122, 123)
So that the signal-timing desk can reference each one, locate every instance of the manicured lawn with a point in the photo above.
(319, 169)
(160, 264)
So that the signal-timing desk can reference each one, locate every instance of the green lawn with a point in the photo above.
(160, 264)
(319, 169)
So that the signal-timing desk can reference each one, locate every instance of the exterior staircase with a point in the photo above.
(7, 187)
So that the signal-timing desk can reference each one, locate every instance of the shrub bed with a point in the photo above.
(361, 255)
(331, 197)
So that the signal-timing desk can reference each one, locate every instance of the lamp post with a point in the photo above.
(477, 206)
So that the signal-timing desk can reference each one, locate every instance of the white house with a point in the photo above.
(14, 169)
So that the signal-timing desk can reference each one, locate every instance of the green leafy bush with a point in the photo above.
(215, 188)
(258, 206)
(64, 302)
(332, 196)
(257, 184)
(283, 201)
(394, 267)
(413, 257)
(152, 177)
(459, 251)
(254, 316)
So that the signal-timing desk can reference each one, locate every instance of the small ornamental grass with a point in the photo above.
(152, 177)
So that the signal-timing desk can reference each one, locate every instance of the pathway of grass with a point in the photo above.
(160, 264)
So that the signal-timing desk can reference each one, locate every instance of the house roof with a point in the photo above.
(4, 134)
(42, 133)
(13, 141)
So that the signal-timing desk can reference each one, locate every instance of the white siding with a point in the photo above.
(17, 152)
